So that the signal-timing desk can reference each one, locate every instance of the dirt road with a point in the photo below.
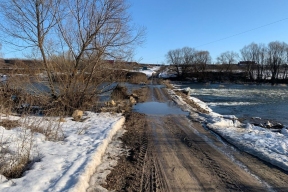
(174, 153)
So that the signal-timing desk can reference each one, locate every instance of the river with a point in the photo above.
(244, 101)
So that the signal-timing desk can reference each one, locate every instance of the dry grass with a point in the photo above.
(136, 77)
(16, 151)
(15, 160)
(51, 129)
(16, 168)
(9, 124)
(119, 93)
(167, 84)
(142, 93)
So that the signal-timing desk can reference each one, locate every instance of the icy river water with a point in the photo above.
(244, 101)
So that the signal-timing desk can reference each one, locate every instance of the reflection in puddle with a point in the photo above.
(156, 108)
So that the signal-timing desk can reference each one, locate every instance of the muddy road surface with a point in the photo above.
(171, 152)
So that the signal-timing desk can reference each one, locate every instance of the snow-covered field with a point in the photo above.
(65, 165)
(263, 143)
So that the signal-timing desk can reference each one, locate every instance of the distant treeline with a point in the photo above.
(257, 63)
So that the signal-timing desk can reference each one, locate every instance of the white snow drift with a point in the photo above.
(64, 165)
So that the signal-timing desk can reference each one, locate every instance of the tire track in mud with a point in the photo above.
(168, 163)
(153, 179)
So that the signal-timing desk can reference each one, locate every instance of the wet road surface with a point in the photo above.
(169, 151)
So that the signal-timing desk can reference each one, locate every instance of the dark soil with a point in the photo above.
(125, 176)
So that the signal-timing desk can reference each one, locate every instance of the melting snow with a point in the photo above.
(150, 71)
(69, 164)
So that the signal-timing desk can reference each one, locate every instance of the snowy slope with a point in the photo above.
(64, 165)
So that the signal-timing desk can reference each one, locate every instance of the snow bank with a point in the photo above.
(263, 143)
(65, 165)
(149, 72)
(201, 104)
(166, 74)
(83, 183)
(269, 146)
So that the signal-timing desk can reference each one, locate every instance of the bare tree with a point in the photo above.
(285, 65)
(227, 59)
(97, 30)
(87, 33)
(202, 58)
(175, 59)
(254, 55)
(186, 60)
(285, 70)
(189, 58)
(30, 22)
(276, 56)
(261, 65)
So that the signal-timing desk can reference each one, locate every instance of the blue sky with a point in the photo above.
(213, 25)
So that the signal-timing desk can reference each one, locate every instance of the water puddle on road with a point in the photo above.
(157, 108)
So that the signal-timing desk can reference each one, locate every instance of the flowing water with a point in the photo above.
(244, 101)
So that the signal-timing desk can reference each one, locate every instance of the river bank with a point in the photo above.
(261, 142)
(258, 104)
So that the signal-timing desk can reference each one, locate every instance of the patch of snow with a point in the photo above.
(201, 104)
(64, 165)
(150, 71)
(166, 75)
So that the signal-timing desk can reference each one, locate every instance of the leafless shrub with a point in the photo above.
(16, 151)
(14, 162)
(21, 94)
(50, 128)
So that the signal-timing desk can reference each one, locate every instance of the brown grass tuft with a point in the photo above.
(9, 124)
